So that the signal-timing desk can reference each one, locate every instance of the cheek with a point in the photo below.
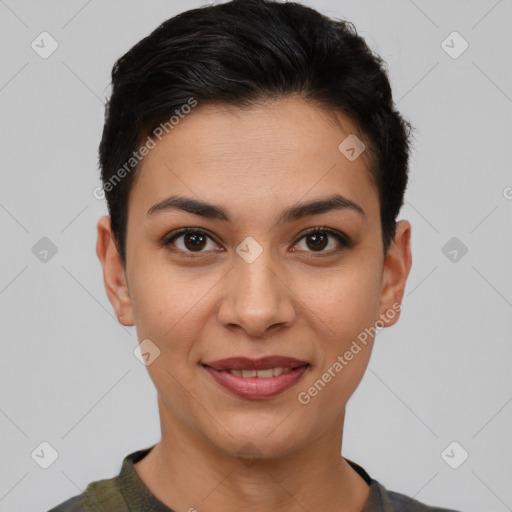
(166, 305)
(169, 305)
(347, 309)
(345, 305)
(345, 301)
(170, 310)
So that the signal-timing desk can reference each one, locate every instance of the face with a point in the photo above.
(256, 276)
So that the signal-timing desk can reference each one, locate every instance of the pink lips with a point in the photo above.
(256, 387)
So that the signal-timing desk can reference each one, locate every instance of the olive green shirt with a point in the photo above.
(128, 493)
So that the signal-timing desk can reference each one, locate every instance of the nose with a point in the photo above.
(257, 296)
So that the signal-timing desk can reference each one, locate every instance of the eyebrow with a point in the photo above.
(293, 213)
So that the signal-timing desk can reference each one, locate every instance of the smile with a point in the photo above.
(257, 384)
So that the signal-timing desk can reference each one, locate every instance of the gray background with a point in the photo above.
(68, 375)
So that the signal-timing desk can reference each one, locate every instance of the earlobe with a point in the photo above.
(397, 265)
(114, 276)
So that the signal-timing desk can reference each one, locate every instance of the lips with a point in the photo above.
(251, 379)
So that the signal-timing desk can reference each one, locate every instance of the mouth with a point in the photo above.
(257, 378)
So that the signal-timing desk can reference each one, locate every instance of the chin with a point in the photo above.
(259, 441)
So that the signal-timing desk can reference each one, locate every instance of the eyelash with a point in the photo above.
(343, 240)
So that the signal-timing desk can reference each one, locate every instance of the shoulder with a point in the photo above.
(99, 495)
(382, 500)
(73, 504)
(110, 494)
(398, 502)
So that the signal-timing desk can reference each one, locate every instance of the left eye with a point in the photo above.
(317, 239)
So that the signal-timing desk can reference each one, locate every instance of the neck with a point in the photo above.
(186, 471)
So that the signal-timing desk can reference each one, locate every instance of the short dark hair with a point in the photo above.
(240, 53)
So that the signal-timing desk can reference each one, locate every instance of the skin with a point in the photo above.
(254, 163)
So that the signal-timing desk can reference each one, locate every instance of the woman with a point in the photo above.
(254, 166)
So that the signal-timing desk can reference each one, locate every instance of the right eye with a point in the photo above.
(191, 241)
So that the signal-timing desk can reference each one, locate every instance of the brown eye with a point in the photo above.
(317, 239)
(191, 241)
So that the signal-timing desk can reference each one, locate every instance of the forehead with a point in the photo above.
(274, 152)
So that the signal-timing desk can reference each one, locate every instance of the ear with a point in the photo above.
(114, 277)
(397, 265)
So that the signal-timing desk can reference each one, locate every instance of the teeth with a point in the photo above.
(261, 374)
(264, 374)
